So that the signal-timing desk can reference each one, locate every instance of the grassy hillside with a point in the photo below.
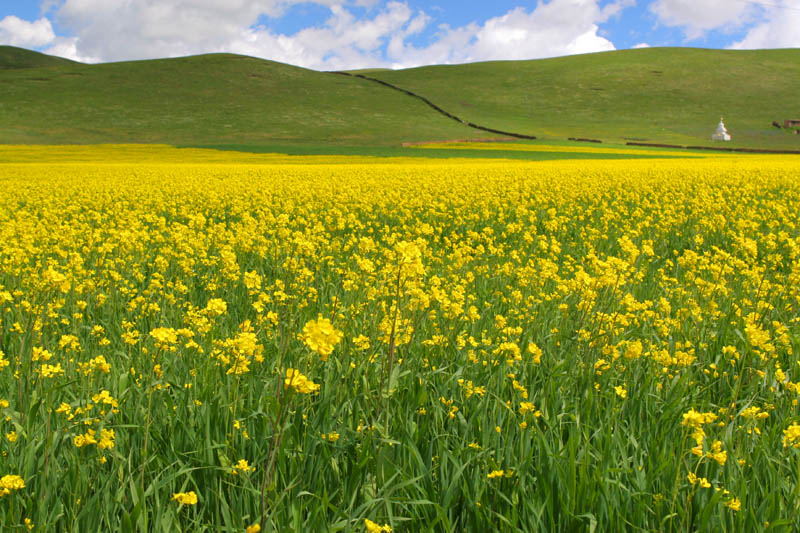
(656, 94)
(12, 57)
(209, 99)
(659, 95)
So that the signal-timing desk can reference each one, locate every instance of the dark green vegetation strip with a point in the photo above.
(433, 153)
(714, 148)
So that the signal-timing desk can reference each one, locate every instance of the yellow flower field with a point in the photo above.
(194, 340)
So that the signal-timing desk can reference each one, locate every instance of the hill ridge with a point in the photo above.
(13, 57)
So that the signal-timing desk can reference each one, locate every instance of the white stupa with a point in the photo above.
(721, 134)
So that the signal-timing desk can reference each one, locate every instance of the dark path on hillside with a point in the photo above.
(436, 107)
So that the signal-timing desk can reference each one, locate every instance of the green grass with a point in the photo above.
(674, 95)
(218, 98)
(445, 152)
(668, 95)
(14, 58)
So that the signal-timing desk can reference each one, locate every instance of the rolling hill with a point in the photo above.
(13, 58)
(668, 95)
(653, 94)
(208, 99)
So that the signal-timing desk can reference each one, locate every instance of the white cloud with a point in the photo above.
(555, 28)
(121, 29)
(778, 29)
(17, 32)
(640, 45)
(112, 30)
(343, 41)
(68, 47)
(771, 24)
(699, 16)
(559, 27)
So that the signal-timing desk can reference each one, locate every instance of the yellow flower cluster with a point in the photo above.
(242, 467)
(105, 442)
(791, 436)
(10, 482)
(299, 383)
(494, 474)
(185, 498)
(320, 336)
(372, 527)
(498, 308)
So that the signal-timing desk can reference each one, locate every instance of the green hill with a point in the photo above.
(208, 99)
(654, 94)
(12, 57)
(667, 95)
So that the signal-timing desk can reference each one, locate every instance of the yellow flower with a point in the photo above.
(791, 436)
(100, 364)
(49, 371)
(409, 258)
(10, 482)
(105, 397)
(185, 498)
(536, 352)
(40, 354)
(241, 365)
(106, 439)
(756, 336)
(242, 466)
(528, 407)
(252, 280)
(86, 439)
(621, 392)
(165, 338)
(717, 454)
(361, 342)
(695, 419)
(330, 437)
(733, 504)
(69, 343)
(633, 350)
(299, 382)
(255, 528)
(320, 336)
(130, 337)
(495, 473)
(372, 527)
(216, 307)
(753, 412)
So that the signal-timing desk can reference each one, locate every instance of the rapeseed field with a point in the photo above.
(196, 341)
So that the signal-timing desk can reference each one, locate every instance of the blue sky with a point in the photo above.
(334, 34)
